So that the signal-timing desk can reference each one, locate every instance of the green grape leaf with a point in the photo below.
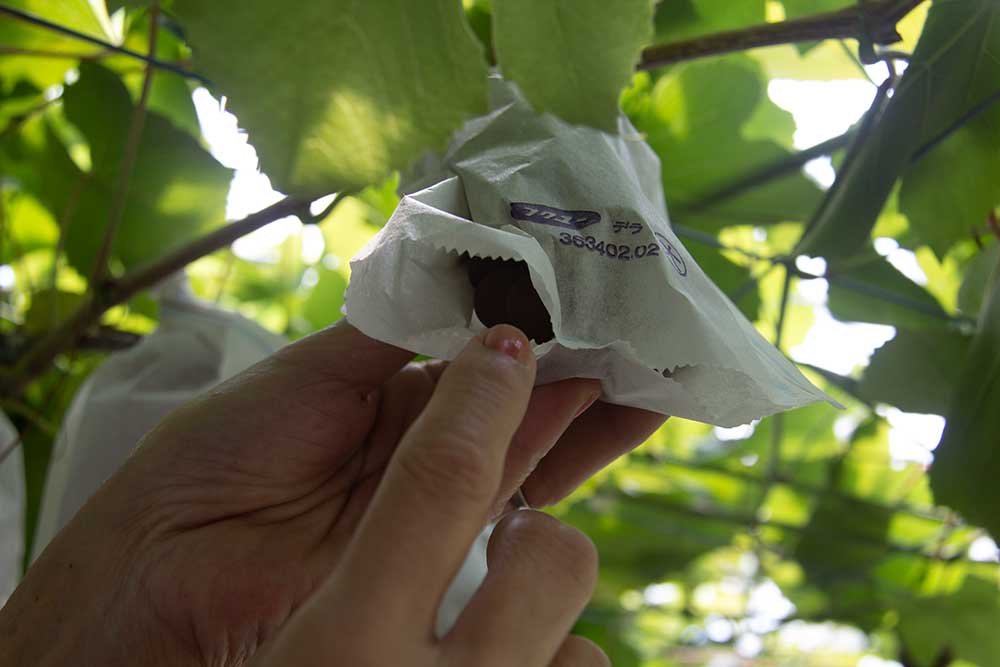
(963, 624)
(844, 536)
(966, 466)
(826, 61)
(866, 471)
(642, 539)
(169, 94)
(176, 191)
(676, 20)
(953, 69)
(49, 307)
(844, 539)
(348, 228)
(321, 307)
(115, 5)
(335, 95)
(847, 535)
(951, 190)
(916, 371)
(797, 8)
(696, 118)
(29, 224)
(381, 200)
(595, 625)
(479, 14)
(36, 448)
(867, 288)
(976, 278)
(807, 444)
(89, 18)
(572, 59)
(269, 282)
(17, 99)
(145, 305)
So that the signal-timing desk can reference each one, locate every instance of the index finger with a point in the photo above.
(439, 487)
(596, 438)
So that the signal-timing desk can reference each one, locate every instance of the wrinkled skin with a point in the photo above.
(230, 531)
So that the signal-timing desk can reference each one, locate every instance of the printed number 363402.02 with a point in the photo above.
(620, 251)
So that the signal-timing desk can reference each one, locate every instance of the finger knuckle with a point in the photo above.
(539, 489)
(580, 652)
(564, 551)
(452, 467)
(489, 382)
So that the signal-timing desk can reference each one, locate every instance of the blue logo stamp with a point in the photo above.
(673, 254)
(549, 215)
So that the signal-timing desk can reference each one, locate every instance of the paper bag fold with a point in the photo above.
(585, 211)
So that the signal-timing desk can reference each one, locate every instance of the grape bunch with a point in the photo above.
(505, 295)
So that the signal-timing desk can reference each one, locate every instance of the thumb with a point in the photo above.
(439, 487)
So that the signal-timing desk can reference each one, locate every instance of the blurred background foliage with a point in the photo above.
(812, 538)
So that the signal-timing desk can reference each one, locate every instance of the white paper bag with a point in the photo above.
(195, 347)
(585, 211)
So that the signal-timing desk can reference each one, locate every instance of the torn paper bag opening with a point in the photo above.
(584, 210)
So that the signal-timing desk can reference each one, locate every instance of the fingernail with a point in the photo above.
(508, 341)
(586, 404)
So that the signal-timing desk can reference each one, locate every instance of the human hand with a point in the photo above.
(249, 507)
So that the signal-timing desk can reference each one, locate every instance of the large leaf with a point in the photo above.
(916, 371)
(322, 307)
(48, 308)
(115, 5)
(335, 95)
(962, 625)
(953, 69)
(806, 447)
(29, 225)
(176, 190)
(479, 14)
(867, 288)
(605, 628)
(843, 540)
(642, 539)
(846, 537)
(86, 17)
(825, 61)
(867, 471)
(572, 59)
(696, 119)
(976, 279)
(17, 98)
(170, 94)
(683, 19)
(950, 191)
(967, 465)
(796, 8)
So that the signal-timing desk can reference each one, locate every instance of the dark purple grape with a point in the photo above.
(504, 295)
